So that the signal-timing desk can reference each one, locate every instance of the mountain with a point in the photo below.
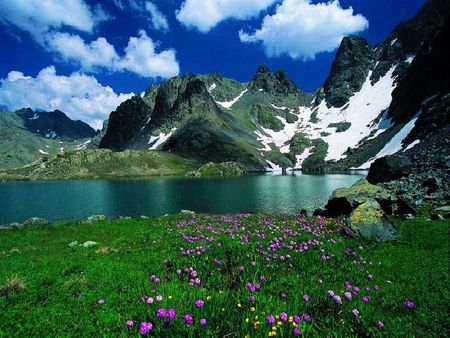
(27, 136)
(377, 101)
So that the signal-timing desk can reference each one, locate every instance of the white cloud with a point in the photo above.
(80, 96)
(39, 16)
(158, 20)
(206, 14)
(301, 29)
(119, 4)
(140, 55)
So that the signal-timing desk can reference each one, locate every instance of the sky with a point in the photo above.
(85, 57)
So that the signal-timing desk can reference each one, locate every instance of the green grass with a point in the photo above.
(50, 289)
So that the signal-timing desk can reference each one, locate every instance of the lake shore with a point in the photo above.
(230, 273)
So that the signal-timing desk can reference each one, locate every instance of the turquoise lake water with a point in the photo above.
(77, 199)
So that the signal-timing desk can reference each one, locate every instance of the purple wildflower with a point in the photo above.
(409, 304)
(365, 299)
(306, 297)
(283, 316)
(161, 313)
(171, 313)
(199, 303)
(145, 328)
(355, 312)
(379, 324)
(129, 323)
(270, 319)
(307, 317)
(202, 321)
(348, 295)
(297, 331)
(188, 319)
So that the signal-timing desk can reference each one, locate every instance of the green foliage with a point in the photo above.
(279, 158)
(298, 145)
(315, 162)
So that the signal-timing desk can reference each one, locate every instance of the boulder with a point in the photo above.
(94, 218)
(389, 168)
(87, 244)
(344, 200)
(369, 221)
(11, 226)
(36, 221)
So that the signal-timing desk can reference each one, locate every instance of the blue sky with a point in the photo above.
(85, 57)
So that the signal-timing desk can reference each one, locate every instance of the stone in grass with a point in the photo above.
(72, 244)
(36, 221)
(88, 244)
(94, 218)
(344, 200)
(11, 226)
(369, 221)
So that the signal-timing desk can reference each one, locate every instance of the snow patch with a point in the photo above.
(394, 145)
(273, 166)
(393, 41)
(35, 117)
(300, 158)
(43, 152)
(410, 59)
(412, 145)
(156, 141)
(229, 104)
(212, 87)
(50, 134)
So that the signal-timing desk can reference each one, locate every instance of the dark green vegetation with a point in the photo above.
(102, 163)
(218, 169)
(316, 161)
(49, 288)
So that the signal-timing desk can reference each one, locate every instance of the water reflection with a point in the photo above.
(58, 200)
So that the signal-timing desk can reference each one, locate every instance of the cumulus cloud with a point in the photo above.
(206, 14)
(39, 16)
(302, 29)
(80, 96)
(157, 19)
(140, 56)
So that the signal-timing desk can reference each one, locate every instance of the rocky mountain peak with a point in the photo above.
(125, 122)
(273, 83)
(349, 70)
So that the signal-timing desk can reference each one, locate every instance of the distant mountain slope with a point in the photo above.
(27, 136)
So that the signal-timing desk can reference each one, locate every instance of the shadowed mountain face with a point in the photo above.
(55, 124)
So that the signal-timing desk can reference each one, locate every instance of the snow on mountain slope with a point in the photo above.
(229, 104)
(394, 145)
(156, 141)
(362, 112)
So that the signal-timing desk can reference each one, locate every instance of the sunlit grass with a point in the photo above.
(232, 275)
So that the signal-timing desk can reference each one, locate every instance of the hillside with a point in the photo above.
(101, 163)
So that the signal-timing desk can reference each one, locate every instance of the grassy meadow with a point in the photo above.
(223, 276)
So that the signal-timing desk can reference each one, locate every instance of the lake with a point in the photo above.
(77, 199)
